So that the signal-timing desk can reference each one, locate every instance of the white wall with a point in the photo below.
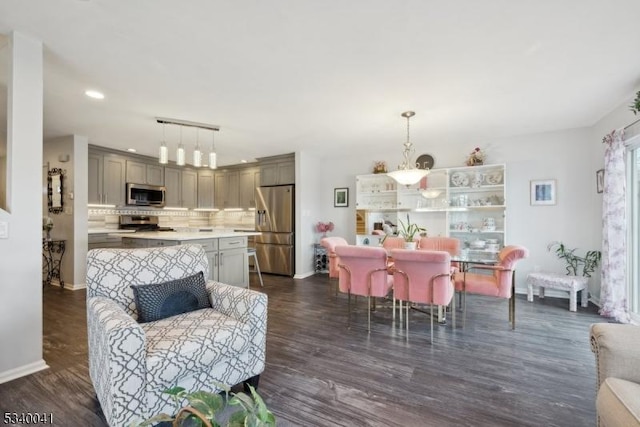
(71, 224)
(564, 156)
(311, 196)
(21, 253)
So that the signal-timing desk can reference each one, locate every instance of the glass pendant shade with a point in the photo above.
(163, 156)
(408, 176)
(213, 160)
(408, 173)
(180, 155)
(197, 157)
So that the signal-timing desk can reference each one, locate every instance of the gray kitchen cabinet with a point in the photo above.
(278, 173)
(181, 187)
(249, 180)
(227, 189)
(189, 188)
(103, 240)
(106, 179)
(233, 266)
(205, 188)
(173, 185)
(144, 173)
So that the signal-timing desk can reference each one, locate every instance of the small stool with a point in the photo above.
(251, 252)
(572, 284)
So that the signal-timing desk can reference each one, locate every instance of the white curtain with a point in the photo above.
(613, 290)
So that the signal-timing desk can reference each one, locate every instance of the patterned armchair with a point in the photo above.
(132, 363)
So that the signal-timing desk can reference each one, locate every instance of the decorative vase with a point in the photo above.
(48, 235)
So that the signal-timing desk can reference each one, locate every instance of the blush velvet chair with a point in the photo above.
(330, 243)
(447, 244)
(363, 271)
(131, 363)
(392, 242)
(499, 282)
(422, 277)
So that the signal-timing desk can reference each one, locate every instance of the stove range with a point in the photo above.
(141, 223)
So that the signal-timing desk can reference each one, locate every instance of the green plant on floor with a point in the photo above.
(408, 231)
(204, 409)
(575, 263)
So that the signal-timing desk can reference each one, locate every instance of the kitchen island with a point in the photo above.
(226, 250)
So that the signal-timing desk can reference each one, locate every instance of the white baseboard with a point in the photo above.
(304, 275)
(22, 371)
(70, 286)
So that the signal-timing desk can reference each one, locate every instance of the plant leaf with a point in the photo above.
(205, 402)
(242, 399)
(174, 391)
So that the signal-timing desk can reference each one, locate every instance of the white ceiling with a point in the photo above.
(283, 75)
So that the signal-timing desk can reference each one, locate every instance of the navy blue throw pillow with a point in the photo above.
(162, 300)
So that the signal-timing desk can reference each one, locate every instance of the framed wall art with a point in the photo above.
(600, 180)
(341, 197)
(543, 192)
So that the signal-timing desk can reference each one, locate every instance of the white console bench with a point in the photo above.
(572, 284)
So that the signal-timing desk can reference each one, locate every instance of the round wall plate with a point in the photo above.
(425, 161)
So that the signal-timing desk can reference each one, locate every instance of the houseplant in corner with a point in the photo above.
(586, 265)
(205, 409)
(408, 232)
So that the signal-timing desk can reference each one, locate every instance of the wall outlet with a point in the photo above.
(4, 230)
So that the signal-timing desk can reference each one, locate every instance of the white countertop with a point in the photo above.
(108, 231)
(182, 236)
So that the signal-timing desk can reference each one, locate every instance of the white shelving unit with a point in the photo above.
(464, 202)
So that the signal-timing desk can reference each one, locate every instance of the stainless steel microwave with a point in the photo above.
(145, 195)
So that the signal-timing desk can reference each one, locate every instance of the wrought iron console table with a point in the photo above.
(52, 253)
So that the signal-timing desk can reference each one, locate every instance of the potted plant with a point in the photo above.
(586, 265)
(408, 232)
(635, 107)
(204, 409)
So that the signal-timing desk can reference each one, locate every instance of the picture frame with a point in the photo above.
(340, 197)
(600, 180)
(543, 192)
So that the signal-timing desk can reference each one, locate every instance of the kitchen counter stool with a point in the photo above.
(251, 252)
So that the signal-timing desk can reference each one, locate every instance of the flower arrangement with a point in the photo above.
(323, 227)
(47, 225)
(476, 157)
(380, 167)
(635, 107)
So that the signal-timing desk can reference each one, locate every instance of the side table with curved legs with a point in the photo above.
(52, 253)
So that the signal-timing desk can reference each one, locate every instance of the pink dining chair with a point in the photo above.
(447, 244)
(500, 282)
(363, 271)
(423, 277)
(330, 243)
(392, 242)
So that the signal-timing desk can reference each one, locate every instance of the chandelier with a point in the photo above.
(408, 172)
(163, 156)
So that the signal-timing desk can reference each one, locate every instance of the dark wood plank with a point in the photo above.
(322, 372)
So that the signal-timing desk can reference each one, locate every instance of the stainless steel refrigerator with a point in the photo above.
(275, 247)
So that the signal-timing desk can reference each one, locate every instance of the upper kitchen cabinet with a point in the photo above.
(144, 173)
(249, 180)
(277, 170)
(106, 179)
(181, 185)
(227, 189)
(205, 189)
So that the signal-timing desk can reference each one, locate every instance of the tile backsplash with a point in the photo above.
(100, 218)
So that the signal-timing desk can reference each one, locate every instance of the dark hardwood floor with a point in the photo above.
(322, 373)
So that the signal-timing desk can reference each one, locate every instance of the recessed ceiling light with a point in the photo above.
(243, 161)
(94, 94)
(131, 150)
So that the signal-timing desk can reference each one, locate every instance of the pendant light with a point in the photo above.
(408, 173)
(197, 154)
(163, 156)
(213, 157)
(180, 160)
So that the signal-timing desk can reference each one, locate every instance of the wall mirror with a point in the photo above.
(55, 187)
